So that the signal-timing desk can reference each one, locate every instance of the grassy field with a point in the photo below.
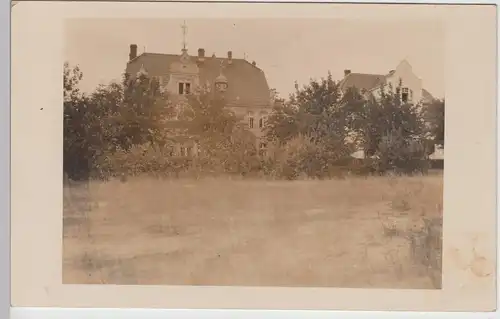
(253, 233)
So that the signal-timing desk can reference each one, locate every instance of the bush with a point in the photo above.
(400, 154)
(302, 158)
(140, 159)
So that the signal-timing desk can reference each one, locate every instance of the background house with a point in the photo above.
(412, 89)
(243, 84)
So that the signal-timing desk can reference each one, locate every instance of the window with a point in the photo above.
(262, 148)
(170, 151)
(250, 122)
(184, 88)
(183, 151)
(405, 96)
(262, 121)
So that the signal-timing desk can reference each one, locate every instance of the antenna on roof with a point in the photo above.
(144, 48)
(244, 55)
(184, 33)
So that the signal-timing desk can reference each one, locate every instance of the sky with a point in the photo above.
(288, 50)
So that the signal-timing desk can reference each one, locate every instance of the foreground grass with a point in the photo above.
(255, 233)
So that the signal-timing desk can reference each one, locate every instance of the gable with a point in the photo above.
(371, 82)
(247, 84)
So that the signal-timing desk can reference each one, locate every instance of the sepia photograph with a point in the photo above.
(259, 156)
(253, 152)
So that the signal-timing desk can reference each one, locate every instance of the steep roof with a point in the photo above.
(247, 84)
(362, 81)
(427, 96)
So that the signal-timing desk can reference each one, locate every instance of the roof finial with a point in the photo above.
(221, 66)
(184, 34)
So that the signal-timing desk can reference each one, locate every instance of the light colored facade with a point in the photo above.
(404, 83)
(412, 87)
(411, 84)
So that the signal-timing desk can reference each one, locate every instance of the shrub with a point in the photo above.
(300, 157)
(400, 154)
(139, 159)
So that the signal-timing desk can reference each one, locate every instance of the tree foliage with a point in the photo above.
(434, 115)
(78, 121)
(113, 117)
(134, 124)
(222, 140)
(386, 114)
(314, 111)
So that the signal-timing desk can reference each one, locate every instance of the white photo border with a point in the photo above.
(129, 313)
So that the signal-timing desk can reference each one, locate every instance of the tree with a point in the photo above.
(398, 153)
(111, 119)
(319, 116)
(435, 117)
(143, 111)
(71, 78)
(316, 111)
(77, 150)
(212, 125)
(385, 114)
(282, 124)
(393, 132)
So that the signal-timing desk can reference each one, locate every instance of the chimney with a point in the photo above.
(253, 63)
(229, 57)
(347, 72)
(133, 52)
(201, 54)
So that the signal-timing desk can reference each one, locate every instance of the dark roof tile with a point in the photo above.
(427, 96)
(247, 84)
(362, 81)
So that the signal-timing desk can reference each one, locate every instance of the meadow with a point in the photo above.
(351, 232)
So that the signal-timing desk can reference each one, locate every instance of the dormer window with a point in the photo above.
(221, 87)
(184, 88)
